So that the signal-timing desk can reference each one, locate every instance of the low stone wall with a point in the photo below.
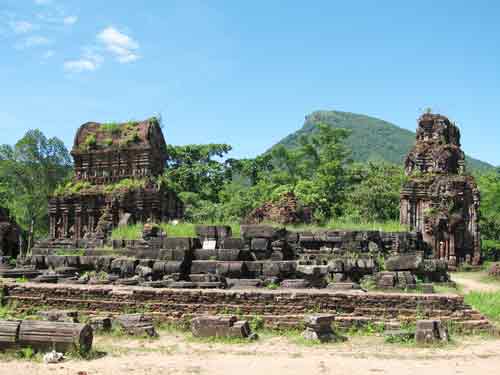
(277, 308)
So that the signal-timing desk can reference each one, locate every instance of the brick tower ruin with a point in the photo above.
(116, 167)
(440, 200)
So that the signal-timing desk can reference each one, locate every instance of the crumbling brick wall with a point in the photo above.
(440, 200)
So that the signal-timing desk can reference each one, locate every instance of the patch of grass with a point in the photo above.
(134, 232)
(272, 286)
(22, 279)
(111, 128)
(447, 289)
(129, 232)
(89, 142)
(127, 184)
(487, 303)
(72, 188)
(69, 252)
(346, 224)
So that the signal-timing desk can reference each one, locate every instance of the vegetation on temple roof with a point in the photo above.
(86, 188)
(96, 136)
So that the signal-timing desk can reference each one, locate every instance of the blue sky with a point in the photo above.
(247, 72)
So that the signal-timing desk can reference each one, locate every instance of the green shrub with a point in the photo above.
(487, 303)
(111, 127)
(90, 142)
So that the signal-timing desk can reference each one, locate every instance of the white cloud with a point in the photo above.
(21, 27)
(121, 45)
(70, 20)
(88, 62)
(78, 66)
(33, 41)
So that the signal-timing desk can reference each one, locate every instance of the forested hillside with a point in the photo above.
(371, 139)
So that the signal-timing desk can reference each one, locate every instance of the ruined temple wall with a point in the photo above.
(74, 216)
(278, 308)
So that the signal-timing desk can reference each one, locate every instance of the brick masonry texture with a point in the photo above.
(277, 308)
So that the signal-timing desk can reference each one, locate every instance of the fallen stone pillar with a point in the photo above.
(46, 336)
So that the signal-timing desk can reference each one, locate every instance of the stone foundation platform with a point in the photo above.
(278, 309)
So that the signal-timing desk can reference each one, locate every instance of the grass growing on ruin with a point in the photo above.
(487, 303)
(348, 224)
(134, 232)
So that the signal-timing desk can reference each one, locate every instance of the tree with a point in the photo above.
(323, 169)
(375, 190)
(29, 173)
(197, 173)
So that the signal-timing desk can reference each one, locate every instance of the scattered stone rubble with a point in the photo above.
(286, 210)
(262, 256)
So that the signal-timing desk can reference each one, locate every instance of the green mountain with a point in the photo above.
(371, 138)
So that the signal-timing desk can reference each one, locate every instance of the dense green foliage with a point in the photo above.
(371, 139)
(489, 186)
(29, 172)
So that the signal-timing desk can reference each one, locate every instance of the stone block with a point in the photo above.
(229, 255)
(220, 326)
(231, 269)
(205, 254)
(431, 331)
(243, 283)
(178, 243)
(136, 324)
(405, 262)
(206, 231)
(204, 266)
(260, 244)
(125, 267)
(232, 243)
(100, 324)
(386, 280)
(249, 232)
(175, 254)
(319, 327)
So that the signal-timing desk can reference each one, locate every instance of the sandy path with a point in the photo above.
(471, 282)
(275, 356)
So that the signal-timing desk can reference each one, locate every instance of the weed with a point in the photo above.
(487, 303)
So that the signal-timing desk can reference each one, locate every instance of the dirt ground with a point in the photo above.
(471, 281)
(173, 354)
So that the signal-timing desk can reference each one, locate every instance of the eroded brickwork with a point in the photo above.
(440, 200)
